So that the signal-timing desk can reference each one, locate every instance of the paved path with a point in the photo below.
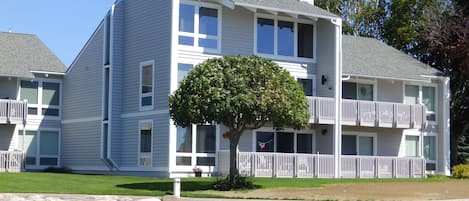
(69, 197)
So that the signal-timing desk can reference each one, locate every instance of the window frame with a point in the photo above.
(436, 151)
(38, 154)
(311, 77)
(420, 98)
(196, 35)
(139, 136)
(295, 22)
(40, 106)
(357, 140)
(149, 94)
(194, 154)
(373, 83)
(285, 130)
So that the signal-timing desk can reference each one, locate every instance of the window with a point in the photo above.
(145, 154)
(429, 151)
(285, 38)
(363, 145)
(411, 145)
(307, 85)
(357, 91)
(146, 85)
(41, 147)
(183, 69)
(196, 145)
(43, 97)
(284, 142)
(199, 26)
(428, 98)
(29, 92)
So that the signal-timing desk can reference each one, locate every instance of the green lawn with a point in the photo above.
(123, 185)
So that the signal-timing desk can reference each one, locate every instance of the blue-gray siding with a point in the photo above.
(83, 82)
(325, 57)
(81, 144)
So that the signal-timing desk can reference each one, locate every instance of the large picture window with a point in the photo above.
(411, 145)
(199, 26)
(284, 142)
(183, 69)
(363, 145)
(357, 91)
(284, 38)
(41, 147)
(146, 85)
(43, 97)
(196, 145)
(427, 97)
(429, 152)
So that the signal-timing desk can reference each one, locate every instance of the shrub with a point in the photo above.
(58, 170)
(461, 171)
(240, 183)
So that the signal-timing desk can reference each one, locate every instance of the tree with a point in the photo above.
(446, 36)
(241, 93)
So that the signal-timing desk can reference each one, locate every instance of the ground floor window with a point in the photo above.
(41, 147)
(196, 145)
(145, 154)
(284, 142)
(429, 152)
(411, 145)
(358, 145)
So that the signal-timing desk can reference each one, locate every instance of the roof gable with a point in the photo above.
(369, 57)
(22, 53)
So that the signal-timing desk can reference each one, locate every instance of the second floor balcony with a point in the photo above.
(13, 111)
(368, 113)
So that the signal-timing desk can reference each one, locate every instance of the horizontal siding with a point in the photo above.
(130, 135)
(147, 37)
(81, 144)
(82, 87)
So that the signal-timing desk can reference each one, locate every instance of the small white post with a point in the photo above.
(177, 187)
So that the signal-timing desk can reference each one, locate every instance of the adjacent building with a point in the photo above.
(375, 111)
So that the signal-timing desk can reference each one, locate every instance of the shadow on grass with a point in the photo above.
(168, 186)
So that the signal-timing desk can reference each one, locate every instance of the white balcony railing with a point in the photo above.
(262, 164)
(13, 111)
(12, 161)
(367, 113)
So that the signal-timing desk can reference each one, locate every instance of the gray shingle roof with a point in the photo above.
(292, 6)
(22, 53)
(369, 57)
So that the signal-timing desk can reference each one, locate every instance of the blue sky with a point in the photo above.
(63, 25)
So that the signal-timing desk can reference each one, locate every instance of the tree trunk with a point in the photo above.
(234, 140)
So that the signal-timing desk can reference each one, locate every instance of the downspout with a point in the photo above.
(108, 158)
(338, 97)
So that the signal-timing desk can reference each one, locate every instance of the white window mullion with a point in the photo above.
(39, 98)
(194, 146)
(196, 26)
(295, 142)
(275, 36)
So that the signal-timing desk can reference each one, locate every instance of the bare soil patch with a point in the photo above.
(455, 189)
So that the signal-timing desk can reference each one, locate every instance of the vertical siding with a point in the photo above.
(245, 142)
(389, 142)
(6, 135)
(81, 144)
(8, 88)
(390, 91)
(83, 82)
(325, 57)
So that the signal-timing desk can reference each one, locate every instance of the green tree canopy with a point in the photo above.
(240, 93)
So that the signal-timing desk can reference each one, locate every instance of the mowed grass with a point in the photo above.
(146, 186)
